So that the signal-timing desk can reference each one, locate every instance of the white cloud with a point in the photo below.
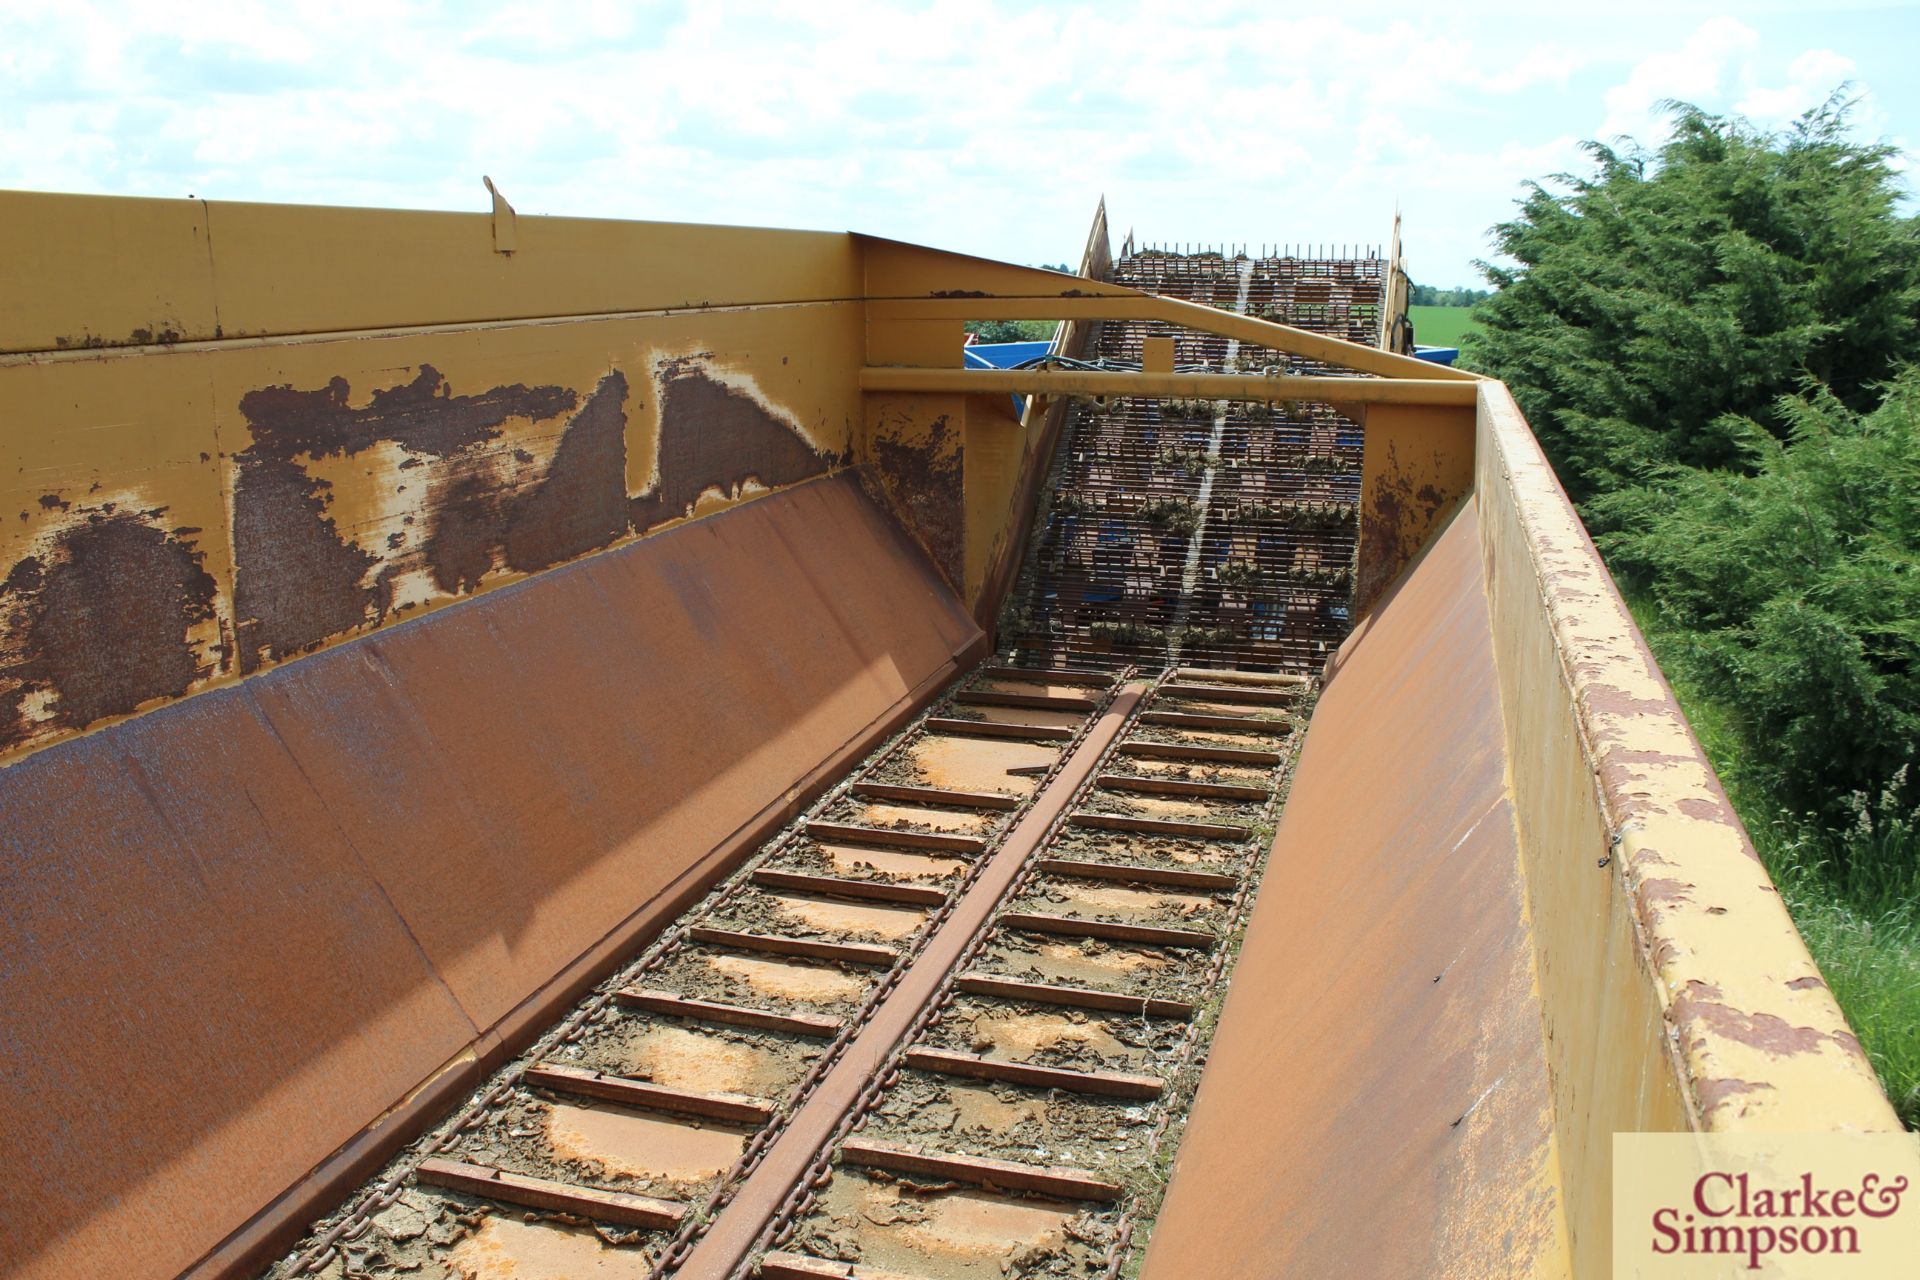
(1813, 75)
(985, 126)
(1691, 73)
(1540, 64)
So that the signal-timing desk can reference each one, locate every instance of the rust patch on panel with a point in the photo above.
(466, 526)
(1418, 464)
(298, 580)
(921, 467)
(581, 505)
(481, 517)
(101, 621)
(350, 504)
(713, 436)
(424, 416)
(1699, 1006)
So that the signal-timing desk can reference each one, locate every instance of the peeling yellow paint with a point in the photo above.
(161, 429)
(1677, 992)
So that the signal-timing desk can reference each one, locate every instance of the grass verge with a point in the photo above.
(1440, 326)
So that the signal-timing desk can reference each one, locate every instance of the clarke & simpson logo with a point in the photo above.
(1728, 1215)
(1814, 1205)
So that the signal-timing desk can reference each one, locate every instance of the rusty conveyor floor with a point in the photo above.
(942, 1026)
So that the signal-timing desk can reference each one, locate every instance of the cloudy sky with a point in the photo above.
(985, 127)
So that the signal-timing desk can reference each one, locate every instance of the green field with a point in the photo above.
(1440, 326)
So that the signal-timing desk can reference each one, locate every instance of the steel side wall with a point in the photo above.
(1676, 993)
(181, 444)
(1377, 1101)
(81, 271)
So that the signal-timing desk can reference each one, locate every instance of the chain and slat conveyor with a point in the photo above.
(1206, 531)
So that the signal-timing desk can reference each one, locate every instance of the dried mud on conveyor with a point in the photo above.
(1021, 1128)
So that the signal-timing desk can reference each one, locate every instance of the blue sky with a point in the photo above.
(987, 128)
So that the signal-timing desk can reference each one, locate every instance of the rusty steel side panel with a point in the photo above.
(918, 447)
(1677, 992)
(89, 271)
(1416, 467)
(950, 467)
(235, 931)
(1001, 455)
(205, 990)
(1376, 1100)
(179, 519)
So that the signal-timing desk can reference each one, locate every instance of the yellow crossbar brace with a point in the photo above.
(1189, 315)
(1199, 386)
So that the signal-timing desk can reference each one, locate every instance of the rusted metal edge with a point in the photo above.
(935, 796)
(1217, 675)
(1253, 696)
(835, 886)
(1703, 907)
(986, 984)
(282, 1222)
(666, 1002)
(643, 1094)
(1216, 755)
(1111, 930)
(623, 1207)
(773, 944)
(1126, 872)
(1181, 787)
(1111, 1084)
(1231, 724)
(781, 1265)
(1160, 826)
(848, 834)
(1066, 1184)
(996, 729)
(1049, 675)
(1036, 701)
(736, 1232)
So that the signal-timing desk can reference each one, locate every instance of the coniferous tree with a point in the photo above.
(1667, 290)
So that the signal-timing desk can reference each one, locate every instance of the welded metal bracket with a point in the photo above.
(505, 240)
